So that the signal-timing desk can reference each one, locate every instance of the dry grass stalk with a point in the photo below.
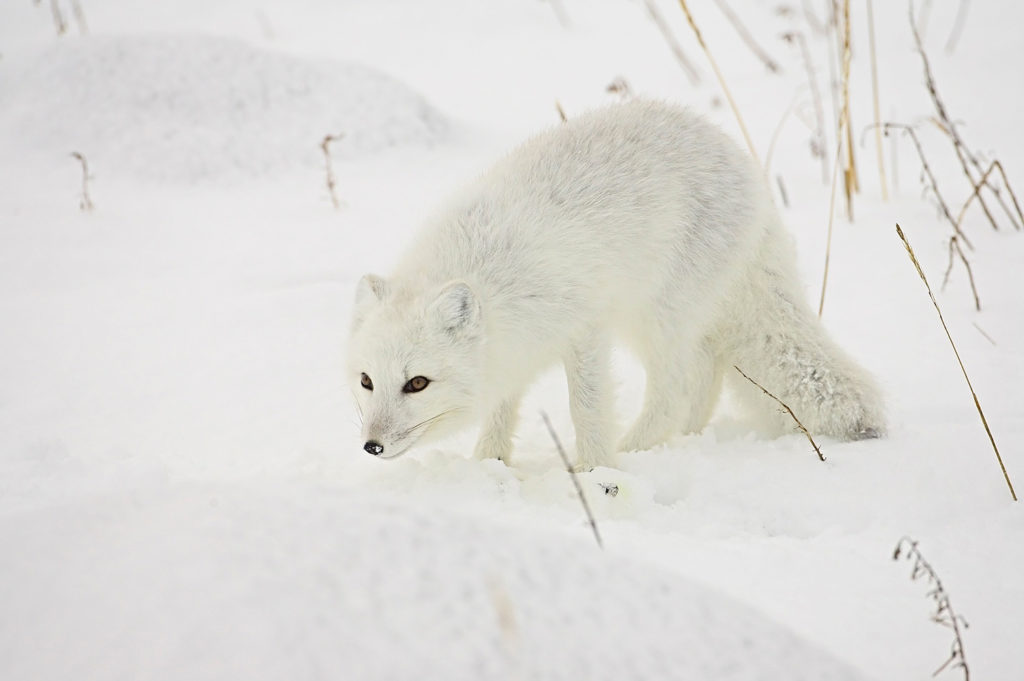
(954, 247)
(963, 153)
(782, 191)
(958, 27)
(331, 182)
(76, 9)
(982, 332)
(933, 184)
(575, 480)
(561, 111)
(944, 613)
(666, 32)
(995, 165)
(977, 404)
(874, 96)
(744, 34)
(817, 450)
(818, 143)
(59, 22)
(831, 221)
(721, 79)
(850, 183)
(85, 202)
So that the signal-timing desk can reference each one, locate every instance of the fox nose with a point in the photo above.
(374, 448)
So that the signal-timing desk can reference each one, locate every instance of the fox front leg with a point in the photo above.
(588, 374)
(495, 441)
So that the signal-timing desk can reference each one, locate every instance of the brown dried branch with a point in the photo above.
(817, 450)
(944, 613)
(575, 480)
(933, 184)
(744, 34)
(85, 202)
(954, 247)
(331, 182)
(963, 153)
(977, 404)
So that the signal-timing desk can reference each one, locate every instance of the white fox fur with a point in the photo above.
(639, 223)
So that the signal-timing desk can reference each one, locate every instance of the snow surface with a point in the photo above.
(182, 492)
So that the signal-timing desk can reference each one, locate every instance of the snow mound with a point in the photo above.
(202, 581)
(192, 107)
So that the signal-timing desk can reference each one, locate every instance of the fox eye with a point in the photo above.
(416, 384)
(365, 381)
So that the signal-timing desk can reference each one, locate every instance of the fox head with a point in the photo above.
(414, 362)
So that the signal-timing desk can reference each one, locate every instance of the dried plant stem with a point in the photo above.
(329, 169)
(561, 111)
(933, 185)
(744, 34)
(995, 165)
(666, 32)
(850, 183)
(982, 332)
(963, 153)
(817, 450)
(819, 143)
(958, 27)
(944, 613)
(76, 9)
(831, 221)
(721, 80)
(874, 95)
(954, 248)
(85, 202)
(59, 22)
(977, 404)
(559, 9)
(575, 480)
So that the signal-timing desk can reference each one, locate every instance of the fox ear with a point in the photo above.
(456, 309)
(370, 291)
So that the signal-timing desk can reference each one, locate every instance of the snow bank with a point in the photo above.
(214, 582)
(190, 107)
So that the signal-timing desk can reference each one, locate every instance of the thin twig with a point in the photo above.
(874, 96)
(818, 144)
(575, 480)
(85, 202)
(982, 332)
(831, 220)
(963, 153)
(944, 613)
(984, 421)
(954, 248)
(817, 450)
(721, 80)
(744, 34)
(673, 43)
(59, 22)
(76, 9)
(561, 111)
(850, 183)
(958, 27)
(934, 185)
(331, 183)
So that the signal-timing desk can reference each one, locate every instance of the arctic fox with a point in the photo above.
(639, 223)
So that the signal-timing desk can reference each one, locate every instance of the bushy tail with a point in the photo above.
(778, 341)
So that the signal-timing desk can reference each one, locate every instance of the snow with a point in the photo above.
(182, 490)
